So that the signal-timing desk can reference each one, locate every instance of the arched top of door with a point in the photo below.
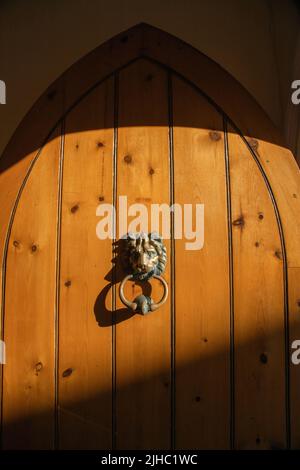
(148, 42)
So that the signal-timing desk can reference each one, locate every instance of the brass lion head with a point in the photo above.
(144, 255)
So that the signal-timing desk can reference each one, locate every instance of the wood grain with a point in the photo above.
(143, 342)
(259, 307)
(284, 175)
(29, 383)
(85, 349)
(202, 278)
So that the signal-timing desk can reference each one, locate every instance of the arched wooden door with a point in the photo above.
(149, 117)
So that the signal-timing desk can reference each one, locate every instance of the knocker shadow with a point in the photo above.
(104, 316)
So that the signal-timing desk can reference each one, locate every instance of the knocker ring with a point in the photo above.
(145, 256)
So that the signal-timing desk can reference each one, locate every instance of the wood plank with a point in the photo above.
(294, 315)
(259, 307)
(10, 184)
(29, 386)
(85, 348)
(284, 175)
(202, 278)
(143, 342)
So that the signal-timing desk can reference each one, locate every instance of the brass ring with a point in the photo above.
(135, 304)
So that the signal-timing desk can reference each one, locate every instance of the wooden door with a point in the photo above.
(210, 369)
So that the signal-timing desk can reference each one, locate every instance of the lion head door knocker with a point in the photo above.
(145, 257)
